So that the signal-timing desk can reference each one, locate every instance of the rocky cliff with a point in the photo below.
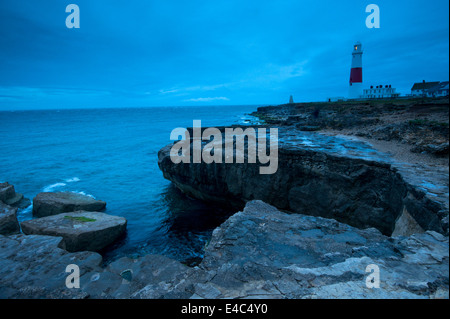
(319, 181)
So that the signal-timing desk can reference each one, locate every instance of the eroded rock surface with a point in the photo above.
(264, 253)
(34, 267)
(258, 253)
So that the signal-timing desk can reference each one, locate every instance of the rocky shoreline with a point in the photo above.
(257, 253)
(335, 208)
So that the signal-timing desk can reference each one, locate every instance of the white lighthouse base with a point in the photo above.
(355, 91)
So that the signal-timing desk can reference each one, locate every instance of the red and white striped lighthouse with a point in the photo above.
(356, 73)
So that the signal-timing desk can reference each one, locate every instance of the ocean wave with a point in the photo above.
(72, 180)
(53, 186)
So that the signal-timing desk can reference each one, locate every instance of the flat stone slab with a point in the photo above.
(8, 220)
(48, 204)
(80, 230)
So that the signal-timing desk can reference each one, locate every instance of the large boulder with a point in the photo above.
(81, 230)
(8, 220)
(9, 196)
(6, 191)
(48, 204)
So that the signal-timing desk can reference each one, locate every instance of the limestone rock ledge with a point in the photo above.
(262, 252)
(357, 191)
(257, 253)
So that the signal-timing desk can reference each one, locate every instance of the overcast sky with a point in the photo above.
(211, 52)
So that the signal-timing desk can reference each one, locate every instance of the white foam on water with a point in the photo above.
(25, 213)
(53, 186)
(307, 142)
(72, 180)
(83, 193)
(27, 209)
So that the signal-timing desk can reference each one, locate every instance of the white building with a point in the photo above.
(440, 90)
(380, 92)
(430, 89)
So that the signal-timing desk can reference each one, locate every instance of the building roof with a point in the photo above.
(440, 86)
(424, 85)
(444, 85)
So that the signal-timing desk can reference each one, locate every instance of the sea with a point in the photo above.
(112, 155)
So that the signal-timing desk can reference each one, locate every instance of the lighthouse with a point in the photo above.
(355, 90)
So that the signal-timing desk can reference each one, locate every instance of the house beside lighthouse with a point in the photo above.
(356, 79)
(380, 92)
